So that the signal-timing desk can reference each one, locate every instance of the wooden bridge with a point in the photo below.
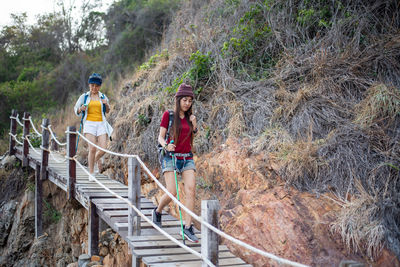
(148, 246)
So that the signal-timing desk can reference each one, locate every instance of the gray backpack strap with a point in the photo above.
(171, 119)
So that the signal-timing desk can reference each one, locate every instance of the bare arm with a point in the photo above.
(161, 139)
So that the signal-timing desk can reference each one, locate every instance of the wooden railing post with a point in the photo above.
(71, 143)
(53, 144)
(209, 239)
(13, 130)
(45, 149)
(133, 196)
(38, 202)
(93, 233)
(26, 145)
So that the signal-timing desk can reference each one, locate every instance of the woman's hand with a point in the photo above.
(104, 101)
(193, 120)
(82, 108)
(170, 147)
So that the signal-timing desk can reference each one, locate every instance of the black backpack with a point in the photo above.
(160, 149)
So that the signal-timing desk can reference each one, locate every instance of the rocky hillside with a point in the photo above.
(65, 225)
(309, 91)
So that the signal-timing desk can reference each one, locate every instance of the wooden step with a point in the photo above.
(198, 263)
(181, 257)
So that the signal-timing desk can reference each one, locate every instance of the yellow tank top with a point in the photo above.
(94, 111)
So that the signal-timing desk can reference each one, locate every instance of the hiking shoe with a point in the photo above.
(156, 217)
(189, 234)
(91, 179)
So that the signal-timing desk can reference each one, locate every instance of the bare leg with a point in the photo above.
(92, 151)
(102, 142)
(170, 184)
(190, 193)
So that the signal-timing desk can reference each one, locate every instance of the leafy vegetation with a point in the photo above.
(48, 62)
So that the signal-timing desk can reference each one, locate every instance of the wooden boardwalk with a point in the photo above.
(150, 248)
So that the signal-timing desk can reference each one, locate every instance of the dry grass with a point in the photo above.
(381, 106)
(360, 225)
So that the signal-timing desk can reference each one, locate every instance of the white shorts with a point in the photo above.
(95, 128)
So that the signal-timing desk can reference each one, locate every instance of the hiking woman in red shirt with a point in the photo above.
(182, 130)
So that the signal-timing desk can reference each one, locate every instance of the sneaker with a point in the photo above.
(91, 178)
(156, 217)
(189, 234)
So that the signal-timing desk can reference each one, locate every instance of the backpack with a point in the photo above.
(160, 150)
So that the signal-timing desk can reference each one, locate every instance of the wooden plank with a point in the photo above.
(91, 195)
(93, 231)
(45, 154)
(116, 201)
(181, 257)
(13, 131)
(222, 262)
(71, 164)
(209, 247)
(38, 203)
(170, 251)
(134, 194)
(25, 135)
(122, 206)
(124, 213)
(124, 225)
(159, 237)
(159, 244)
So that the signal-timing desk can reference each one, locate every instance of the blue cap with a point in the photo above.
(95, 78)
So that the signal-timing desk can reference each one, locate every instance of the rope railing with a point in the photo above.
(19, 122)
(33, 126)
(196, 217)
(30, 144)
(188, 249)
(16, 139)
(54, 137)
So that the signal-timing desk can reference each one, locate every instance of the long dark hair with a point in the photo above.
(177, 127)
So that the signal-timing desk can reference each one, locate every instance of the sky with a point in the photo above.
(33, 8)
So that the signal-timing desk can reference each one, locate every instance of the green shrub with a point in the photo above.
(143, 120)
(246, 48)
(198, 74)
(154, 59)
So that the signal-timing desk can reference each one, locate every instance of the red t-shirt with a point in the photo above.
(184, 145)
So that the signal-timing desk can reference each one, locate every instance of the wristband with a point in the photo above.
(195, 131)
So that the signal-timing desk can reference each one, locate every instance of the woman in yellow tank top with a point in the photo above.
(95, 127)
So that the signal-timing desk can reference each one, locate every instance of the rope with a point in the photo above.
(103, 149)
(19, 122)
(29, 142)
(55, 138)
(15, 138)
(209, 226)
(188, 249)
(45, 149)
(33, 126)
